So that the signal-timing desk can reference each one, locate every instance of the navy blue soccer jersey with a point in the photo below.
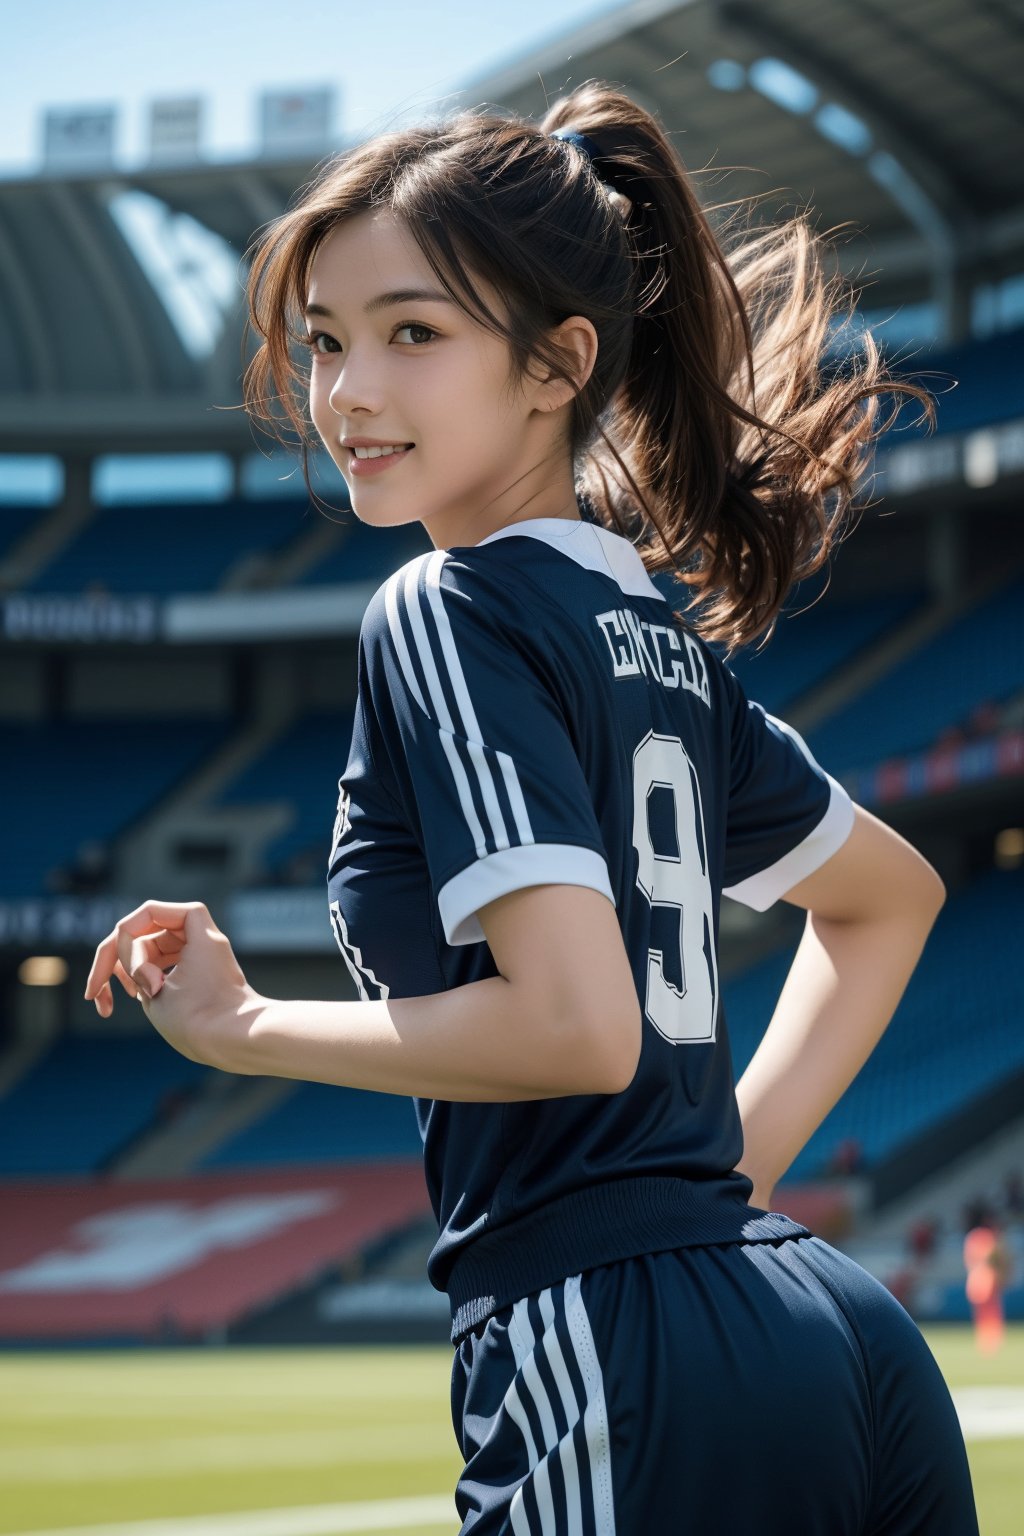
(530, 711)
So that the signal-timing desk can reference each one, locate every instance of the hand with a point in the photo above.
(174, 959)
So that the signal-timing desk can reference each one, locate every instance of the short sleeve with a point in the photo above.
(786, 815)
(473, 736)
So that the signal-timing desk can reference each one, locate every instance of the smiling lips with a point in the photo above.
(370, 459)
(378, 450)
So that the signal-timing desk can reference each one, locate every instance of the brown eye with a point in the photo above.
(418, 333)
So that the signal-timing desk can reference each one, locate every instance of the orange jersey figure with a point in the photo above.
(985, 1260)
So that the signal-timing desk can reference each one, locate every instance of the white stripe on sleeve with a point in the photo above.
(353, 958)
(461, 897)
(441, 715)
(398, 636)
(470, 725)
(761, 890)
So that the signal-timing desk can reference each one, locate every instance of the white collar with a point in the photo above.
(590, 545)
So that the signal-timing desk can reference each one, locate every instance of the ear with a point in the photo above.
(576, 339)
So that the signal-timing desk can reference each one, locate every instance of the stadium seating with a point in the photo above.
(369, 554)
(302, 768)
(806, 647)
(187, 547)
(956, 1032)
(989, 385)
(90, 779)
(85, 1099)
(321, 1123)
(979, 657)
(15, 522)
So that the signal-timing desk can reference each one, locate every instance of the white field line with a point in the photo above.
(986, 1413)
(304, 1520)
(990, 1413)
(133, 1459)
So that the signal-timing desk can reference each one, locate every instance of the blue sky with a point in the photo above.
(385, 57)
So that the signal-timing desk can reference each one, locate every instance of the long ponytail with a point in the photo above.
(733, 450)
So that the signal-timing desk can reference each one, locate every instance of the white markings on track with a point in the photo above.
(990, 1413)
(303, 1520)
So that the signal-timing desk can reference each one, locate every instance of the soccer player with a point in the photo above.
(987, 1263)
(529, 339)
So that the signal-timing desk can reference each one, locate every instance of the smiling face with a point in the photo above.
(398, 366)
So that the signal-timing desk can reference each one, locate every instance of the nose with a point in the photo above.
(357, 387)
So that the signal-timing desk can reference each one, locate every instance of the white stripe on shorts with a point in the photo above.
(528, 1383)
(521, 1335)
(595, 1418)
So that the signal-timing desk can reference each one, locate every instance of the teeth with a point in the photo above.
(378, 453)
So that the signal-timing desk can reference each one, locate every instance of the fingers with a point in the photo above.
(105, 994)
(149, 955)
(145, 960)
(161, 924)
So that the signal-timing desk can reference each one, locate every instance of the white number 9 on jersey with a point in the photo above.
(682, 882)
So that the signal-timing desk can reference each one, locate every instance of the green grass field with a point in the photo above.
(104, 1439)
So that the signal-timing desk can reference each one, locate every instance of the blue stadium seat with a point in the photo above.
(807, 647)
(187, 547)
(15, 522)
(369, 554)
(88, 1097)
(89, 780)
(980, 657)
(989, 383)
(302, 768)
(956, 1032)
(320, 1123)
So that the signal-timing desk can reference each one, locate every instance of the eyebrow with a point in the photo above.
(385, 300)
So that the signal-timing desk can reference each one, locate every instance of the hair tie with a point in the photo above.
(585, 145)
(591, 151)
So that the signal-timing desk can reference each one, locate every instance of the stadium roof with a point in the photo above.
(906, 120)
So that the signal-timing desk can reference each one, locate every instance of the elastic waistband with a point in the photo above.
(600, 1225)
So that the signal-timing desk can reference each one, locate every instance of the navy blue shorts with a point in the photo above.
(768, 1389)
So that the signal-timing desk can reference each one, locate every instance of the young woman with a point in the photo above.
(529, 339)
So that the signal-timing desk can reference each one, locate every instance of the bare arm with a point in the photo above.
(561, 1017)
(870, 908)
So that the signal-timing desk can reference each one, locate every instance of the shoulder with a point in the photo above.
(430, 592)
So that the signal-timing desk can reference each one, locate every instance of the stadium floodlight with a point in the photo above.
(43, 971)
(1009, 848)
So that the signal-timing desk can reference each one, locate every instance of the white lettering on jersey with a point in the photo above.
(624, 659)
(639, 648)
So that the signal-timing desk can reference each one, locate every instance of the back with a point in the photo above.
(531, 713)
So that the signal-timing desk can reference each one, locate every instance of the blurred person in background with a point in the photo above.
(987, 1262)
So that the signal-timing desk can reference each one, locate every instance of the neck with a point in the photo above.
(545, 487)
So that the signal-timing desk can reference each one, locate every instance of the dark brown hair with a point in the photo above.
(712, 431)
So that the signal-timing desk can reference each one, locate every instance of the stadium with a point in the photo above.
(178, 627)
